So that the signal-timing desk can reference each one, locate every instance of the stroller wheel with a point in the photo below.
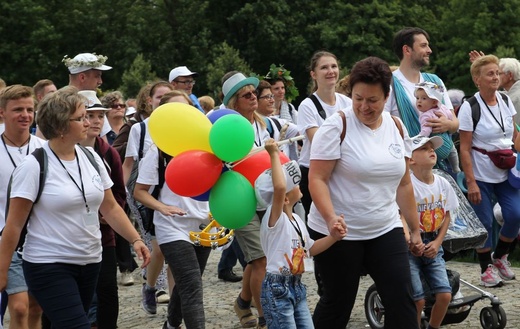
(489, 318)
(374, 309)
(502, 318)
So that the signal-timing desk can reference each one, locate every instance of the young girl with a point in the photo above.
(286, 243)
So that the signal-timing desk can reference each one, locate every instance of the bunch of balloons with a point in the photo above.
(204, 150)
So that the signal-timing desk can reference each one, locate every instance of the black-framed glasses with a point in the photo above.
(116, 106)
(80, 119)
(186, 82)
(249, 94)
(268, 97)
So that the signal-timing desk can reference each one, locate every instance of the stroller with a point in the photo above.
(465, 232)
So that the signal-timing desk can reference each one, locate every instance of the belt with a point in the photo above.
(429, 235)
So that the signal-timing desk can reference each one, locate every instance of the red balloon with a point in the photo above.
(192, 173)
(256, 164)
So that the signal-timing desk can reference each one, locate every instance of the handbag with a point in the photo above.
(503, 159)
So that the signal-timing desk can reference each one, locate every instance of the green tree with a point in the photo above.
(138, 74)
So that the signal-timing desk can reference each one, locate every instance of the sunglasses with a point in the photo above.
(249, 94)
(116, 106)
(186, 82)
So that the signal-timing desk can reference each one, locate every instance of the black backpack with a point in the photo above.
(41, 157)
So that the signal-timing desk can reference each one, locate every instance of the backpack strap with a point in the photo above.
(41, 157)
(475, 108)
(319, 107)
(344, 130)
(90, 157)
(141, 140)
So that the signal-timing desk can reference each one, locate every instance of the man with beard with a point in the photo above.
(412, 47)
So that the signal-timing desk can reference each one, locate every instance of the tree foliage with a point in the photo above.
(211, 37)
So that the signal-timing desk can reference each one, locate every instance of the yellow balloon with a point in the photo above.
(178, 127)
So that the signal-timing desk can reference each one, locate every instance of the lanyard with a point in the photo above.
(9, 154)
(501, 123)
(298, 231)
(82, 188)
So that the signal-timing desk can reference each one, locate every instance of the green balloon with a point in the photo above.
(232, 200)
(231, 137)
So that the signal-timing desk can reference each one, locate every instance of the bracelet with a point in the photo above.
(138, 239)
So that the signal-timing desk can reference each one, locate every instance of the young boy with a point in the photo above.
(429, 97)
(435, 199)
(286, 243)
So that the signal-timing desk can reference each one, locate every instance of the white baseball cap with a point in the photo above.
(418, 141)
(86, 61)
(181, 71)
(264, 183)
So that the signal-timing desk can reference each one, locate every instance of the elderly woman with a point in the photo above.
(62, 251)
(240, 95)
(115, 103)
(359, 177)
(493, 131)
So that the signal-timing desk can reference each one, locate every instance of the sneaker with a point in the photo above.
(504, 267)
(162, 297)
(166, 326)
(229, 276)
(127, 279)
(490, 277)
(148, 301)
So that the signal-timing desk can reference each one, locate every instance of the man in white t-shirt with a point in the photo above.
(412, 47)
(17, 109)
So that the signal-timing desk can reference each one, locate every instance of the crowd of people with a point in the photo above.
(84, 193)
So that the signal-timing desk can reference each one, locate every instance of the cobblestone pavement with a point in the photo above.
(219, 297)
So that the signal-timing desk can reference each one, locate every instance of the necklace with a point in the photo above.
(19, 146)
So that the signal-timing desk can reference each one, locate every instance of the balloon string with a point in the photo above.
(261, 148)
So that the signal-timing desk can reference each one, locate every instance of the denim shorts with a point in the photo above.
(434, 272)
(15, 278)
(284, 302)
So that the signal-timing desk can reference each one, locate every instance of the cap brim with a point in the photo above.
(436, 141)
(248, 81)
(77, 70)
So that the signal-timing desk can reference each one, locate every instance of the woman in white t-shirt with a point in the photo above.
(240, 95)
(62, 250)
(493, 131)
(359, 178)
(324, 71)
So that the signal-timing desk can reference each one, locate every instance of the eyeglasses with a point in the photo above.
(116, 106)
(187, 82)
(80, 119)
(268, 97)
(249, 94)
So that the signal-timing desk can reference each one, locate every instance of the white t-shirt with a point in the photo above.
(59, 229)
(433, 201)
(363, 184)
(171, 228)
(106, 127)
(2, 128)
(308, 117)
(409, 87)
(488, 135)
(281, 240)
(134, 138)
(7, 167)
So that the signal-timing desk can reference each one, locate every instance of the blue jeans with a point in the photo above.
(434, 272)
(64, 291)
(229, 257)
(284, 302)
(509, 199)
(187, 263)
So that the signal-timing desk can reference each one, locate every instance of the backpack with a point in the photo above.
(270, 128)
(475, 108)
(41, 157)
